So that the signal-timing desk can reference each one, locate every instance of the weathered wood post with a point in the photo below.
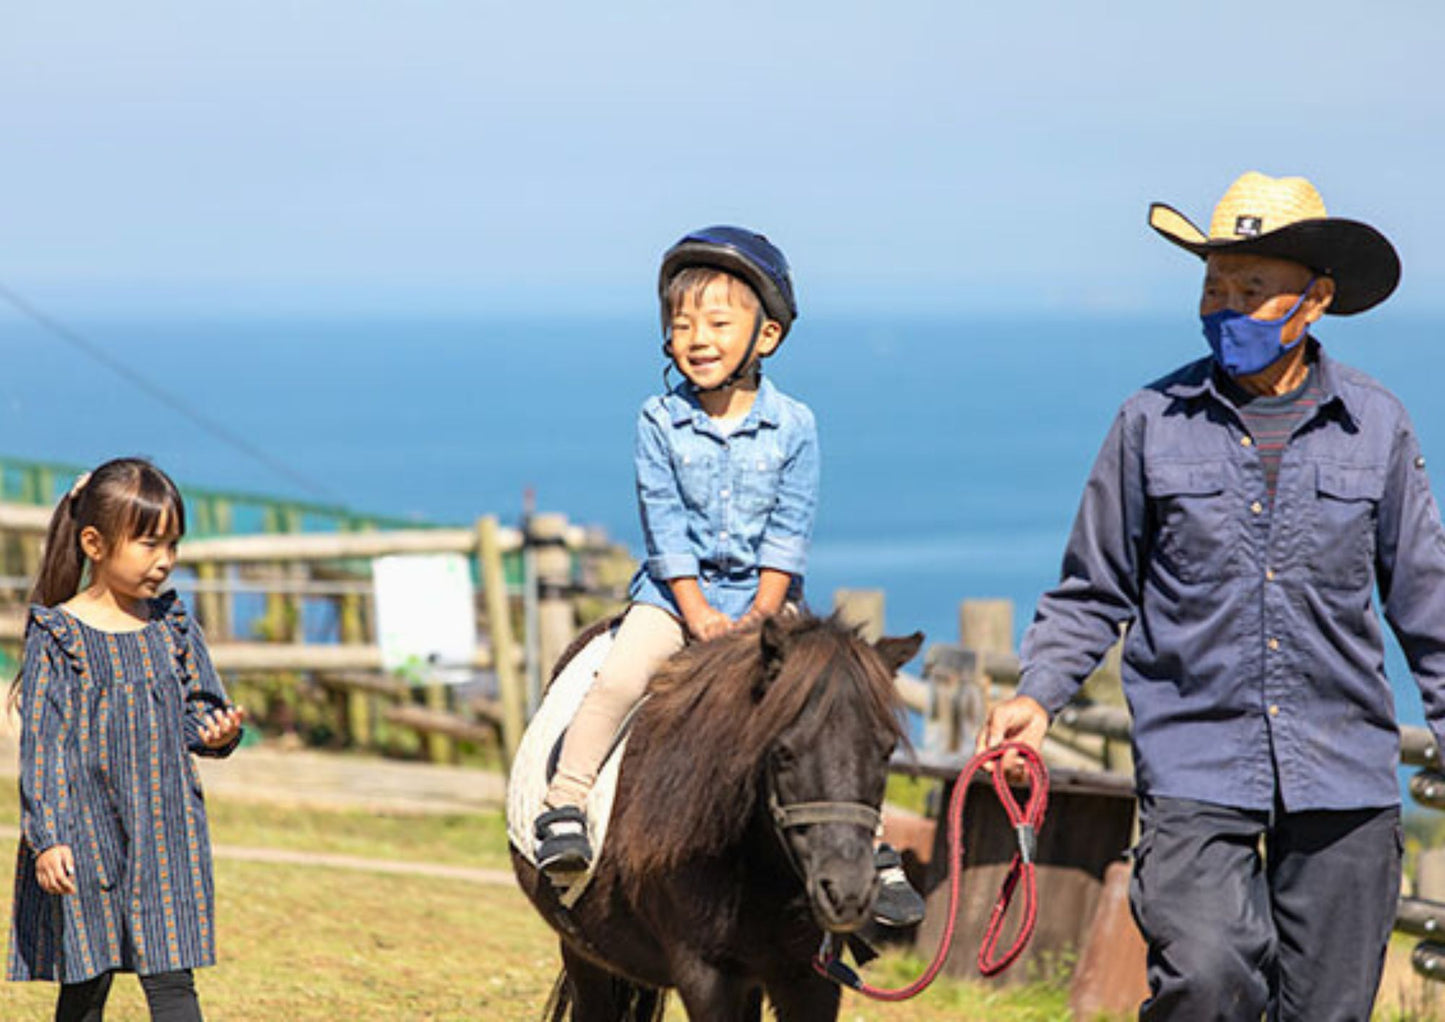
(361, 715)
(209, 599)
(556, 617)
(504, 646)
(863, 609)
(1430, 875)
(985, 628)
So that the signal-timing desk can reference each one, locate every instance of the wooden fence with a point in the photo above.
(255, 594)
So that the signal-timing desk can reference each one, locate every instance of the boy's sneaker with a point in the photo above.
(898, 904)
(562, 841)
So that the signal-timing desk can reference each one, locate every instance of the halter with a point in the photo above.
(792, 815)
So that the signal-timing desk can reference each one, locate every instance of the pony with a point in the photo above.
(742, 829)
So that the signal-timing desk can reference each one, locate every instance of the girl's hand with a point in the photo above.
(709, 623)
(55, 870)
(221, 727)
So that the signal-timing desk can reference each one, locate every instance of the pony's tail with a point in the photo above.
(63, 564)
(630, 1002)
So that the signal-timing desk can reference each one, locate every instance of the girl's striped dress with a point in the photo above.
(109, 722)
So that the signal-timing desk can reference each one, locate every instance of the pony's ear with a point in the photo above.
(898, 651)
(773, 640)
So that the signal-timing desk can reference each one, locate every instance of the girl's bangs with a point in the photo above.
(154, 505)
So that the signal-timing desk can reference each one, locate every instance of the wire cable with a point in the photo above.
(176, 404)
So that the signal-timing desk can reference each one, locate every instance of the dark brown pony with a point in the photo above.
(699, 886)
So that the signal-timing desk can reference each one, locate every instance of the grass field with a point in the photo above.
(304, 942)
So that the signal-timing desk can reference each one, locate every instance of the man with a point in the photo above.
(1240, 515)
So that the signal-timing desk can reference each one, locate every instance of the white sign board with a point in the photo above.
(426, 615)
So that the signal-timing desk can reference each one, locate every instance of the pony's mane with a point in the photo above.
(695, 756)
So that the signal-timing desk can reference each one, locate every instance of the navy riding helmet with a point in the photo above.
(742, 253)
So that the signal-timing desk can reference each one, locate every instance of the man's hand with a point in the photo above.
(55, 870)
(1020, 719)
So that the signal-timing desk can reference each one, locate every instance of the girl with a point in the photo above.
(727, 486)
(116, 691)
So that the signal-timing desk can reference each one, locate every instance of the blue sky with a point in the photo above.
(471, 157)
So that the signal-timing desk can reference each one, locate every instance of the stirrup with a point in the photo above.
(898, 905)
(563, 846)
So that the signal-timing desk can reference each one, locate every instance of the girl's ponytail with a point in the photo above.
(63, 563)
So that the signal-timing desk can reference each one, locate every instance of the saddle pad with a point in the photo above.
(527, 784)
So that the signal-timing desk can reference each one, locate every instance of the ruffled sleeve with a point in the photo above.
(204, 690)
(53, 651)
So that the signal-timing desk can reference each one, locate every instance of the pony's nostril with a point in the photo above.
(841, 898)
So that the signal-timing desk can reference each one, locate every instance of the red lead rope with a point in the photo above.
(1026, 821)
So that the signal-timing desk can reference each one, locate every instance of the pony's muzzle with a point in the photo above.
(842, 888)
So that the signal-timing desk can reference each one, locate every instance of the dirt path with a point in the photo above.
(290, 857)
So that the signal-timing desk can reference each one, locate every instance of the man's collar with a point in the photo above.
(1197, 379)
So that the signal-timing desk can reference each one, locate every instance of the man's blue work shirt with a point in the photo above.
(719, 506)
(1254, 658)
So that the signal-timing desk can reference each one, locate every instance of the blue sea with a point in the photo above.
(953, 448)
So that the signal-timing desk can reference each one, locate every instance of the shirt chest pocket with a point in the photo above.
(1346, 506)
(758, 476)
(1193, 538)
(695, 474)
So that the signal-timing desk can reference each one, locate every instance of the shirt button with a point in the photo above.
(1269, 574)
(722, 537)
(1256, 507)
(724, 493)
(1246, 441)
(1274, 711)
(1273, 644)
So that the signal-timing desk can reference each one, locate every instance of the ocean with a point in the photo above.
(954, 448)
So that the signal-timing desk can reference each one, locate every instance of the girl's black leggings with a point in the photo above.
(171, 996)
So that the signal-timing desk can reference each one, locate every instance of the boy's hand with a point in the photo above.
(753, 618)
(55, 870)
(709, 623)
(220, 727)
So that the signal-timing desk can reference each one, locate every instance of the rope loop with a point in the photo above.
(1026, 821)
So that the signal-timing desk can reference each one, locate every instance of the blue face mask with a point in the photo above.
(1243, 345)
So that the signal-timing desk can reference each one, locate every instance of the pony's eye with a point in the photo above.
(784, 757)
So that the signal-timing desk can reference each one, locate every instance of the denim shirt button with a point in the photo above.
(1256, 507)
(1273, 645)
(722, 537)
(1273, 710)
(1269, 574)
(1246, 441)
(723, 493)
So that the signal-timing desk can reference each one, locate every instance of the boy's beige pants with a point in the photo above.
(648, 636)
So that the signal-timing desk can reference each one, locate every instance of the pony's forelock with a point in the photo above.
(698, 746)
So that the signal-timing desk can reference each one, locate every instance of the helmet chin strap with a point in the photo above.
(736, 376)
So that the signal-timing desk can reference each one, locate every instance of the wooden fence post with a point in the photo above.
(984, 627)
(863, 609)
(504, 647)
(556, 618)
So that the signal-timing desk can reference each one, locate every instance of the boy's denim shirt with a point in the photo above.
(722, 507)
(1254, 664)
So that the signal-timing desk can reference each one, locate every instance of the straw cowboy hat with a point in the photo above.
(1284, 218)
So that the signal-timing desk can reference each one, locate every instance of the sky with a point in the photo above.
(447, 157)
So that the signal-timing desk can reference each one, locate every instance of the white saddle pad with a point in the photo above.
(527, 784)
